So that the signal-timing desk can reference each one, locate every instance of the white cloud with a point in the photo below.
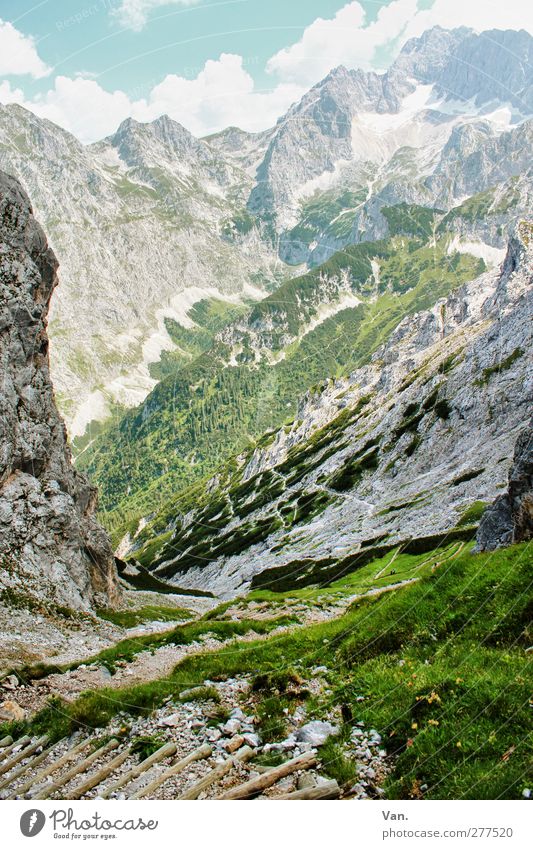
(348, 40)
(222, 94)
(342, 40)
(83, 107)
(10, 95)
(133, 14)
(18, 54)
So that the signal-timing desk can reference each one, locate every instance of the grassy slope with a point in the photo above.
(197, 418)
(440, 664)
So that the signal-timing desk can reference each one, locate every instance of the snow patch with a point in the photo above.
(492, 256)
(325, 311)
(94, 408)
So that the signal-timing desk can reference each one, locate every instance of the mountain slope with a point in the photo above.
(321, 324)
(409, 446)
(152, 220)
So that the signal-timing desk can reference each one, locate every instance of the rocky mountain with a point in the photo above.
(142, 223)
(52, 549)
(359, 141)
(408, 449)
(152, 220)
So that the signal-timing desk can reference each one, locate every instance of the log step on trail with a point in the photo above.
(327, 790)
(202, 752)
(256, 785)
(36, 780)
(162, 753)
(83, 766)
(8, 764)
(218, 772)
(4, 753)
(100, 775)
(30, 764)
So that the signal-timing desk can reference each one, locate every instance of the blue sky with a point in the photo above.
(87, 64)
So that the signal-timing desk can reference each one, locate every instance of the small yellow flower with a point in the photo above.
(414, 725)
(459, 744)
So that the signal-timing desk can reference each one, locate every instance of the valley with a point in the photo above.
(266, 474)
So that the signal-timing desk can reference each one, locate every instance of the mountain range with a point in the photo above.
(178, 219)
(208, 284)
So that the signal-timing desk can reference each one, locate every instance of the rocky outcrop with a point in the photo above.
(52, 549)
(510, 518)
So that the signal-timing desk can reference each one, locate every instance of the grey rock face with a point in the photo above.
(510, 518)
(51, 546)
(495, 65)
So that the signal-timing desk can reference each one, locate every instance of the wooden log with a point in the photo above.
(164, 752)
(32, 763)
(35, 780)
(7, 751)
(267, 779)
(217, 773)
(7, 765)
(98, 776)
(5, 741)
(327, 790)
(83, 766)
(203, 752)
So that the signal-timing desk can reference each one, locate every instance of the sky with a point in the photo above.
(89, 64)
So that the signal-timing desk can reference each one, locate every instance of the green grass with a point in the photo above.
(410, 219)
(472, 515)
(441, 665)
(336, 764)
(143, 747)
(150, 613)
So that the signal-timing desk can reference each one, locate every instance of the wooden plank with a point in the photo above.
(5, 741)
(327, 790)
(32, 763)
(83, 766)
(35, 780)
(202, 752)
(7, 765)
(7, 751)
(98, 776)
(164, 752)
(267, 779)
(217, 773)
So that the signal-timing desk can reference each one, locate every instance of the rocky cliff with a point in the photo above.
(51, 547)
(510, 518)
